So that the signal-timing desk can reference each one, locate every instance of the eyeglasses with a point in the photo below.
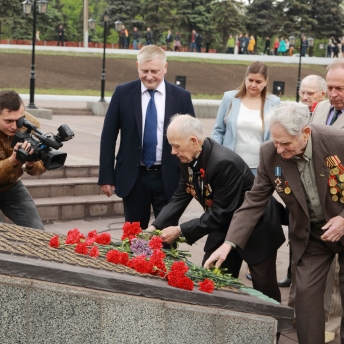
(309, 94)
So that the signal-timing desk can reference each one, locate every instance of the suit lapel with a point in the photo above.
(203, 164)
(137, 104)
(292, 176)
(339, 123)
(320, 169)
(169, 105)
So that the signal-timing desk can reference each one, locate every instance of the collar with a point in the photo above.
(161, 88)
(307, 155)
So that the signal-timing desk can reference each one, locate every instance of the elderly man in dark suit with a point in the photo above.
(302, 163)
(218, 179)
(146, 174)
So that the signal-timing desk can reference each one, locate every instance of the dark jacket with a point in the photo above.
(229, 178)
(125, 114)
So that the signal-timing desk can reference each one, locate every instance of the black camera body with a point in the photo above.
(42, 144)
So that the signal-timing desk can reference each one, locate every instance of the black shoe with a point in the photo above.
(285, 282)
(249, 277)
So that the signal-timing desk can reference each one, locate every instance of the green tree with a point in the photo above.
(295, 16)
(228, 19)
(329, 19)
(159, 17)
(193, 15)
(262, 18)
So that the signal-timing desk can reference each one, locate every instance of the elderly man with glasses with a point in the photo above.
(312, 90)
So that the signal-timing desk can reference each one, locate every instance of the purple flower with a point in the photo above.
(140, 248)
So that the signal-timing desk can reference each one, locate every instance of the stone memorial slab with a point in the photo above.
(52, 285)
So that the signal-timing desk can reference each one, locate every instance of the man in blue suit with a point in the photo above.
(146, 173)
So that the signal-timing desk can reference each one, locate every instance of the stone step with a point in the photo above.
(62, 187)
(81, 171)
(73, 208)
(72, 111)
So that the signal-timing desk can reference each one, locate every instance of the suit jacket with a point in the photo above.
(125, 115)
(225, 128)
(321, 113)
(229, 178)
(326, 141)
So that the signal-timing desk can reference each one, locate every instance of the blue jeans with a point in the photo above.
(18, 205)
(193, 46)
(135, 44)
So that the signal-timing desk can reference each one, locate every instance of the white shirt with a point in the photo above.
(160, 100)
(249, 135)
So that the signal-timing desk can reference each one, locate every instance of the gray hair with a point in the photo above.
(292, 116)
(316, 80)
(337, 63)
(150, 52)
(189, 126)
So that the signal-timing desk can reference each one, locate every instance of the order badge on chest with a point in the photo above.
(336, 178)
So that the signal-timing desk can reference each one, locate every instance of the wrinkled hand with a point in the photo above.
(169, 234)
(218, 256)
(108, 189)
(334, 229)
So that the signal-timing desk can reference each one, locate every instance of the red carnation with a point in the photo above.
(117, 257)
(179, 267)
(130, 230)
(155, 243)
(202, 172)
(74, 236)
(181, 282)
(314, 105)
(141, 265)
(94, 252)
(207, 286)
(92, 234)
(157, 261)
(54, 241)
(103, 239)
(81, 248)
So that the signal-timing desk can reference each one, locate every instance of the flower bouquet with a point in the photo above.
(144, 252)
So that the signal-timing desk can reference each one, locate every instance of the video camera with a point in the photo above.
(42, 144)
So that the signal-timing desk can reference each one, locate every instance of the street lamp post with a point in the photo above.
(311, 45)
(42, 8)
(292, 42)
(92, 25)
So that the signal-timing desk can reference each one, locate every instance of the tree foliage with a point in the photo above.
(214, 19)
(262, 18)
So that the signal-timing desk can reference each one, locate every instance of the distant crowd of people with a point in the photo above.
(281, 46)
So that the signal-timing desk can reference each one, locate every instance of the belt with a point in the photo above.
(152, 168)
(317, 225)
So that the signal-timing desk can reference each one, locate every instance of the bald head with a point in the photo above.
(185, 135)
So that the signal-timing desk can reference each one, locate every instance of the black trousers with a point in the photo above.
(264, 276)
(147, 192)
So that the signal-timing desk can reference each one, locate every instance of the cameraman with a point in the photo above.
(15, 201)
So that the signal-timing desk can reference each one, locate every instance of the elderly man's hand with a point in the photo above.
(169, 234)
(334, 229)
(218, 256)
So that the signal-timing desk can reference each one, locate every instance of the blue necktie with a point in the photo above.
(335, 115)
(150, 139)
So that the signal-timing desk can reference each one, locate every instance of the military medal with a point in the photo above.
(336, 178)
(334, 198)
(287, 189)
(278, 181)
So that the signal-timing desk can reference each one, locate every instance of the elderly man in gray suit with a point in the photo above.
(329, 111)
(303, 163)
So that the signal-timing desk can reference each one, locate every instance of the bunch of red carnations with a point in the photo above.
(143, 253)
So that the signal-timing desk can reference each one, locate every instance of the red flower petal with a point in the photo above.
(54, 241)
(94, 252)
